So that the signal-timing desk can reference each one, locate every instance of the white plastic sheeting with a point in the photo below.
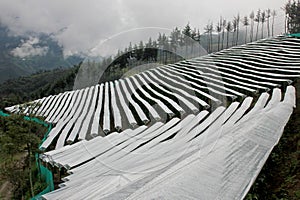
(181, 98)
(96, 121)
(177, 90)
(215, 156)
(125, 107)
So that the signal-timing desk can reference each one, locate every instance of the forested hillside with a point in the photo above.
(38, 85)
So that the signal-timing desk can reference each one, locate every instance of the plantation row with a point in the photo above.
(174, 90)
(219, 154)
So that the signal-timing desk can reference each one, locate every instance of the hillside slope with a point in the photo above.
(45, 83)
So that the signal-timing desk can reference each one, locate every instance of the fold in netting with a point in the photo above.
(214, 155)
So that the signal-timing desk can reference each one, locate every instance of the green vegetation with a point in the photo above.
(19, 140)
(36, 86)
(280, 176)
(292, 16)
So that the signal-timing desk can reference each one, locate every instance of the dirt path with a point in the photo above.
(5, 191)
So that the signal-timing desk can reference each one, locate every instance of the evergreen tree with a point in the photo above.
(228, 29)
(219, 29)
(234, 26)
(252, 25)
(263, 20)
(211, 29)
(273, 20)
(207, 32)
(268, 15)
(187, 31)
(257, 20)
(237, 28)
(246, 24)
(174, 37)
(149, 43)
(224, 24)
(292, 10)
(193, 37)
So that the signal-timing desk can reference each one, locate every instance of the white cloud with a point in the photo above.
(29, 48)
(88, 22)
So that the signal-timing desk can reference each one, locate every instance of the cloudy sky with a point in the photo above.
(89, 25)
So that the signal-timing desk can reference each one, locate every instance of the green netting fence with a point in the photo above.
(45, 173)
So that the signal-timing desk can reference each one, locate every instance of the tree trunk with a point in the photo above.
(285, 24)
(208, 43)
(268, 24)
(227, 40)
(251, 33)
(223, 36)
(273, 26)
(262, 30)
(218, 41)
(257, 31)
(246, 35)
(237, 36)
(211, 50)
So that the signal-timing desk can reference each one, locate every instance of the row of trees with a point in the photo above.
(231, 29)
(189, 42)
(224, 34)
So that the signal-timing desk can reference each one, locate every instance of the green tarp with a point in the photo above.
(295, 34)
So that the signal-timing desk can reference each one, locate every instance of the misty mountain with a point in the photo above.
(24, 55)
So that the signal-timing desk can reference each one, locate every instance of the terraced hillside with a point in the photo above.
(201, 127)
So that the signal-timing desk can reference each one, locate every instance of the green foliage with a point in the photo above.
(36, 86)
(16, 133)
(292, 10)
(280, 176)
(19, 140)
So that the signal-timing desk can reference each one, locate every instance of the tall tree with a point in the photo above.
(292, 10)
(237, 28)
(165, 43)
(149, 43)
(141, 49)
(246, 24)
(263, 20)
(198, 39)
(251, 16)
(174, 41)
(224, 24)
(187, 33)
(273, 20)
(211, 29)
(207, 32)
(268, 15)
(219, 29)
(177, 36)
(193, 37)
(257, 20)
(287, 10)
(234, 26)
(160, 47)
(228, 29)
